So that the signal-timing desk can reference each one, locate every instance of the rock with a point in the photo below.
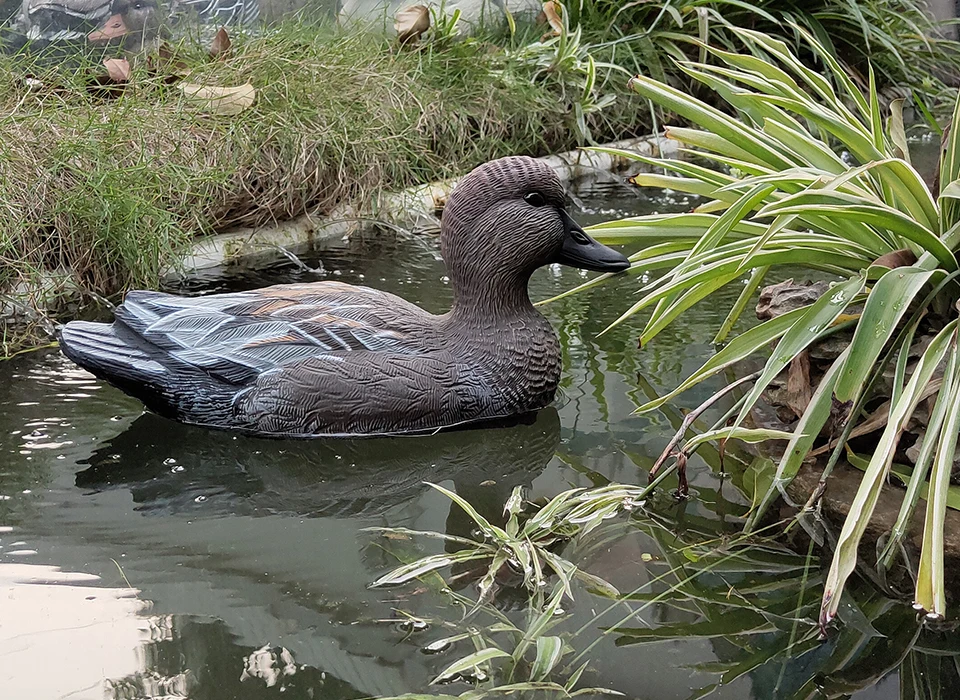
(778, 299)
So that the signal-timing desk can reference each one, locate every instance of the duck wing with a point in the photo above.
(190, 358)
(236, 337)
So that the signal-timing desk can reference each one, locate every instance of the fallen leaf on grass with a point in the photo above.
(551, 15)
(220, 100)
(220, 46)
(411, 23)
(118, 69)
(166, 65)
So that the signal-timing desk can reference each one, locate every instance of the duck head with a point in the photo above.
(130, 22)
(505, 219)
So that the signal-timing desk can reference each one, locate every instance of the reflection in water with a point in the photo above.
(167, 466)
(52, 617)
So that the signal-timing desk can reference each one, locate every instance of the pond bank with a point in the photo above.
(413, 208)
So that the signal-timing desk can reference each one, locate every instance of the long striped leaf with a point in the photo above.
(549, 652)
(711, 119)
(886, 305)
(930, 594)
(865, 500)
(468, 663)
(738, 349)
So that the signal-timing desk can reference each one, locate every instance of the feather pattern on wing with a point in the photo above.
(240, 335)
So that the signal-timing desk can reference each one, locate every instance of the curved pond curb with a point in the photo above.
(412, 208)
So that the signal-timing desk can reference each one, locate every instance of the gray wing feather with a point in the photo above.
(238, 336)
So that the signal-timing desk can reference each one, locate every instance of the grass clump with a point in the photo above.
(106, 190)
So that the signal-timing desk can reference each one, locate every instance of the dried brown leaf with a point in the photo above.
(799, 392)
(551, 14)
(220, 46)
(165, 63)
(220, 100)
(118, 69)
(411, 23)
(898, 258)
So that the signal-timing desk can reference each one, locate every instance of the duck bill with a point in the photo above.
(580, 250)
(113, 28)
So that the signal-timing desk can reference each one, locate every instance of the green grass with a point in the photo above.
(110, 189)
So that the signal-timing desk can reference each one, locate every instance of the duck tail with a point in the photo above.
(115, 353)
(99, 348)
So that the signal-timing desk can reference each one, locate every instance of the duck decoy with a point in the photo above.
(328, 358)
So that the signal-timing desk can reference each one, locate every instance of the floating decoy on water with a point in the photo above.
(304, 360)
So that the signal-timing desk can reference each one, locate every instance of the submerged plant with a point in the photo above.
(527, 548)
(750, 600)
(810, 174)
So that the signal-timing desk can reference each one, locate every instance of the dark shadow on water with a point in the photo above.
(170, 468)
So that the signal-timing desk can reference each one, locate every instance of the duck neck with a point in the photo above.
(502, 299)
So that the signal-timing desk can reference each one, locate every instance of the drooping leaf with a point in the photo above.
(864, 502)
(809, 326)
(468, 663)
(549, 653)
(886, 305)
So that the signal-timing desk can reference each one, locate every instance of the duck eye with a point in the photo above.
(534, 199)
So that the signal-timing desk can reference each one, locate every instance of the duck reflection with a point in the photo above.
(171, 468)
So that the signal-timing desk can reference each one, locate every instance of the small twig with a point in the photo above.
(689, 419)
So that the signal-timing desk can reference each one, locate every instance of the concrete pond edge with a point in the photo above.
(414, 208)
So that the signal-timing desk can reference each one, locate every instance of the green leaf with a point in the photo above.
(733, 623)
(930, 593)
(816, 318)
(746, 294)
(485, 526)
(751, 435)
(886, 305)
(468, 663)
(865, 500)
(549, 652)
(416, 569)
(712, 120)
(738, 349)
(950, 170)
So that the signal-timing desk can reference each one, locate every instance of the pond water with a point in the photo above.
(140, 558)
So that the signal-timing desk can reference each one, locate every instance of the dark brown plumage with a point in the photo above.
(330, 358)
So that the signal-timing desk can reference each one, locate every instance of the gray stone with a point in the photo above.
(778, 299)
